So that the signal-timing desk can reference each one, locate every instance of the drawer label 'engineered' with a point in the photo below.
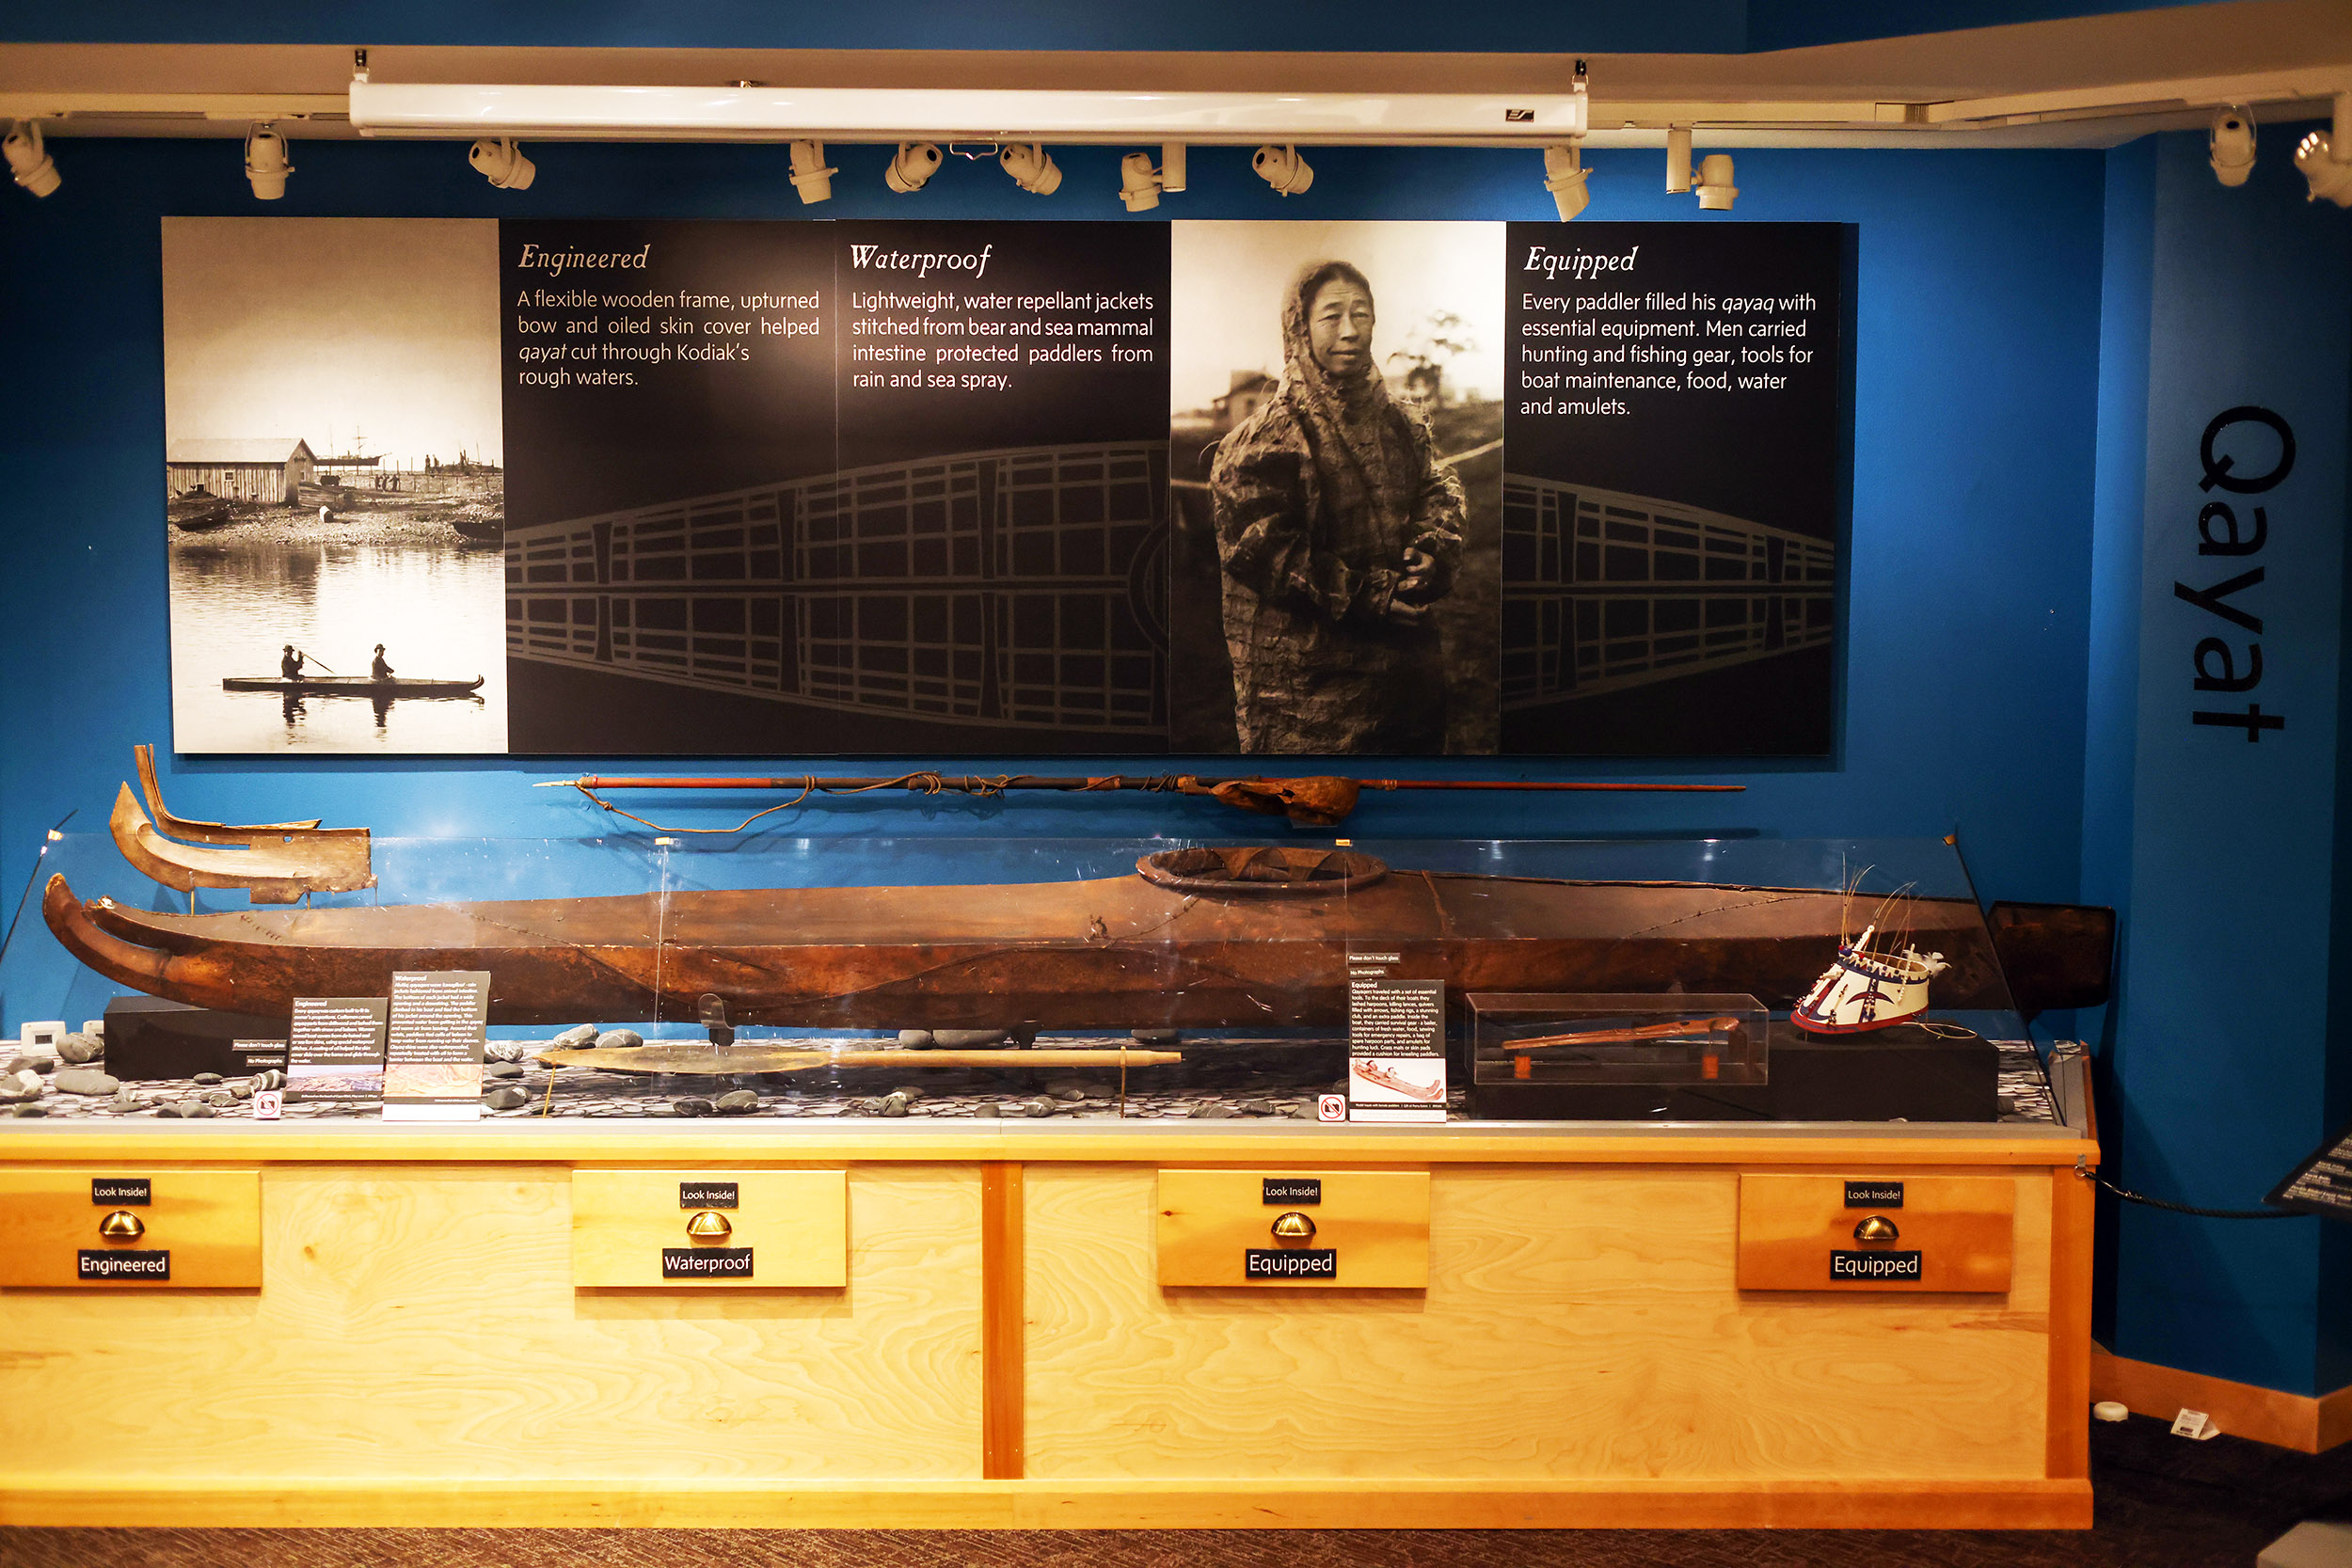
(698, 1263)
(1874, 1265)
(111, 1265)
(1874, 1195)
(133, 1192)
(1290, 1263)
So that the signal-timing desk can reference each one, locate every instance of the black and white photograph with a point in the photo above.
(1336, 434)
(334, 485)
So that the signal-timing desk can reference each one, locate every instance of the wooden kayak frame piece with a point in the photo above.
(273, 863)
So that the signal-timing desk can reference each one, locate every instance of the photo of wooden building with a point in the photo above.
(269, 468)
(1603, 591)
(1021, 588)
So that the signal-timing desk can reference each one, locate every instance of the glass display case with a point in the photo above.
(766, 978)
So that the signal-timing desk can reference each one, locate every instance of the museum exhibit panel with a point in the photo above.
(1146, 778)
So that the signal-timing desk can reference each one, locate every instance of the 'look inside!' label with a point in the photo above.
(1293, 1189)
(121, 1192)
(1874, 1265)
(700, 1262)
(1874, 1195)
(705, 1195)
(110, 1264)
(1289, 1263)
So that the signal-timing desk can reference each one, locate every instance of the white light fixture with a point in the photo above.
(2325, 158)
(502, 162)
(1138, 183)
(1030, 166)
(1714, 180)
(1284, 168)
(1141, 185)
(913, 163)
(34, 168)
(2230, 145)
(979, 114)
(810, 176)
(265, 161)
(1564, 177)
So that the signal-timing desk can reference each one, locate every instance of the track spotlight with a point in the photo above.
(2230, 145)
(1030, 166)
(502, 164)
(1564, 177)
(265, 161)
(34, 168)
(913, 163)
(1139, 184)
(1284, 168)
(2325, 158)
(810, 176)
(1712, 181)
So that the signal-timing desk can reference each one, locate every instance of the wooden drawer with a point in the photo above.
(1952, 1232)
(196, 1229)
(1371, 1228)
(784, 1229)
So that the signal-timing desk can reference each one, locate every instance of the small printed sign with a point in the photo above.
(1874, 1195)
(1331, 1107)
(108, 1263)
(1290, 1263)
(121, 1192)
(269, 1104)
(1293, 1189)
(1874, 1265)
(706, 1195)
(706, 1263)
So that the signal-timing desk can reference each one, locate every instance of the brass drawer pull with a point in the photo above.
(121, 1225)
(709, 1225)
(1294, 1230)
(1876, 1228)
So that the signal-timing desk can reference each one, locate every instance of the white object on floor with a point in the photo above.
(2313, 1544)
(2194, 1424)
(2111, 1410)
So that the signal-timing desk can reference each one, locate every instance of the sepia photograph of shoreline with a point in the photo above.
(334, 480)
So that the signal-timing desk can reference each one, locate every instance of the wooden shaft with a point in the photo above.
(1182, 784)
(905, 1056)
(1641, 1032)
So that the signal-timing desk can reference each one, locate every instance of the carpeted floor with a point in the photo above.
(2164, 1502)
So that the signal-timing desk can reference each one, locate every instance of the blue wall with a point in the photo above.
(2217, 1058)
(1975, 386)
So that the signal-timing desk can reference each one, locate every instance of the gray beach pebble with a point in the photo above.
(77, 1049)
(1154, 1037)
(23, 1084)
(506, 1097)
(967, 1040)
(198, 1112)
(504, 1069)
(619, 1040)
(694, 1105)
(205, 1080)
(572, 1040)
(82, 1080)
(736, 1101)
(915, 1039)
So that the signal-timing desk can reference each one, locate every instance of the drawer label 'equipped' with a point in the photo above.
(1292, 1189)
(706, 1195)
(1290, 1263)
(1874, 1265)
(111, 1265)
(134, 1192)
(1874, 1195)
(697, 1262)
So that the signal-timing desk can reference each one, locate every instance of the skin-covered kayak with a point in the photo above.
(1201, 938)
(351, 686)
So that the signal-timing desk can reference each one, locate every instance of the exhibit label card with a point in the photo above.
(1395, 1043)
(433, 1068)
(334, 1050)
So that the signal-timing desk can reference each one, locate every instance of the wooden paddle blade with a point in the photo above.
(1317, 802)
